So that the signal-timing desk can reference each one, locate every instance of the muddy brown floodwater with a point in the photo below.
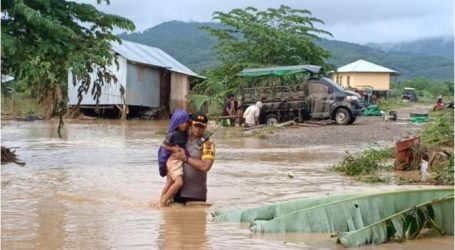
(97, 187)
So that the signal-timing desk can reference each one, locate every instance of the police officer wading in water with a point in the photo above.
(197, 164)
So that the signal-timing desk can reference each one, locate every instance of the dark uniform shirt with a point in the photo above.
(195, 181)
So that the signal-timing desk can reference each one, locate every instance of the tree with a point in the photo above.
(43, 39)
(282, 36)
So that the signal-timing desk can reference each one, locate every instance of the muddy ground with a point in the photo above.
(365, 130)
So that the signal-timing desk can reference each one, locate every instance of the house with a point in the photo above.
(363, 73)
(151, 78)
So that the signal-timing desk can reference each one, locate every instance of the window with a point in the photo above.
(348, 81)
(341, 80)
(317, 88)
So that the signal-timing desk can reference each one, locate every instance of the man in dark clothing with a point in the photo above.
(229, 111)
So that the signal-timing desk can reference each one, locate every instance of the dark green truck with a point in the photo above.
(298, 93)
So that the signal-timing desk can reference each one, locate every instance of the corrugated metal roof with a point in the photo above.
(365, 66)
(151, 56)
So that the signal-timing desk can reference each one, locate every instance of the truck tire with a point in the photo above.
(271, 119)
(351, 121)
(342, 116)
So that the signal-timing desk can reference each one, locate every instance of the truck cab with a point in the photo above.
(298, 98)
(409, 94)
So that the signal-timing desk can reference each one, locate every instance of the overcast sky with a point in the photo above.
(359, 21)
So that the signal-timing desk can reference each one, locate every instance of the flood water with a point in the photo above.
(98, 186)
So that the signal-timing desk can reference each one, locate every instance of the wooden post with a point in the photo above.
(124, 112)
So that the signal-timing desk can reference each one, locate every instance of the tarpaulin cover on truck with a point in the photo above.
(280, 71)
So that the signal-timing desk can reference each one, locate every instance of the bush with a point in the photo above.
(439, 133)
(444, 174)
(368, 162)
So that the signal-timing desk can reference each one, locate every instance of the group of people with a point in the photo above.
(232, 111)
(185, 158)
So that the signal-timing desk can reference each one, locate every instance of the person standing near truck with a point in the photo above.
(251, 114)
(229, 111)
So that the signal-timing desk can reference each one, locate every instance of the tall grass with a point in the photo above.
(368, 162)
(391, 104)
(443, 174)
(21, 104)
(440, 133)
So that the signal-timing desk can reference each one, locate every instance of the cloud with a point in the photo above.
(358, 21)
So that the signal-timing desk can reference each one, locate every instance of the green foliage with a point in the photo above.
(193, 47)
(358, 219)
(391, 104)
(210, 93)
(441, 132)
(252, 38)
(410, 223)
(43, 39)
(19, 103)
(368, 162)
(443, 173)
(282, 36)
(426, 87)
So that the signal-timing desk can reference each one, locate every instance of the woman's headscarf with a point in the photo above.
(180, 116)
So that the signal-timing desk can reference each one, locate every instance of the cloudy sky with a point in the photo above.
(359, 21)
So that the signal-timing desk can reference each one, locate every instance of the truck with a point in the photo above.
(297, 93)
(409, 94)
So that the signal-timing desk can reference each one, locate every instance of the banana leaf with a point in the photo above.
(435, 215)
(350, 214)
(271, 211)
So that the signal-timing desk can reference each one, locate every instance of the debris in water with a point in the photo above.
(290, 175)
(9, 155)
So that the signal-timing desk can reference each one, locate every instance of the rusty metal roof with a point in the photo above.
(156, 57)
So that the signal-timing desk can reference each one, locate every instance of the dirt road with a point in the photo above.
(365, 130)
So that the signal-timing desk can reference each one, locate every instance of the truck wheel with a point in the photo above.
(342, 116)
(271, 119)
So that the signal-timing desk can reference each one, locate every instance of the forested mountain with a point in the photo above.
(186, 42)
(438, 46)
(193, 47)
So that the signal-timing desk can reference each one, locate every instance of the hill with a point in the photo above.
(438, 46)
(194, 47)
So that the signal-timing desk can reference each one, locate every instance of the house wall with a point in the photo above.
(110, 93)
(379, 81)
(142, 85)
(180, 87)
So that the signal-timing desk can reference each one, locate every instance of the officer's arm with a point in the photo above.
(201, 165)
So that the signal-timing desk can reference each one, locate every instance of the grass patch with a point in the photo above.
(261, 133)
(21, 104)
(440, 133)
(443, 174)
(368, 162)
(391, 104)
(373, 179)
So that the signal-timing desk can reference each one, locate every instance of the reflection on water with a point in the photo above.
(93, 188)
(183, 228)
